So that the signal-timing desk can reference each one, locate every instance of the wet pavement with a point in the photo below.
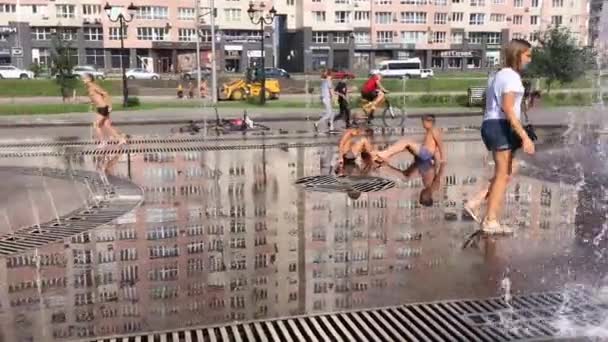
(225, 235)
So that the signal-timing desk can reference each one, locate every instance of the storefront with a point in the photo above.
(232, 58)
(456, 60)
(320, 57)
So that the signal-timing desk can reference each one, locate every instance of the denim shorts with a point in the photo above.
(498, 135)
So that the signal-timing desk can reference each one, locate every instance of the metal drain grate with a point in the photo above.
(488, 320)
(117, 201)
(325, 183)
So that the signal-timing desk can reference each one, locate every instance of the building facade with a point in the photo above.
(306, 35)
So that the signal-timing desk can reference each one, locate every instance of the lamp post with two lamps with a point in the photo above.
(256, 15)
(122, 19)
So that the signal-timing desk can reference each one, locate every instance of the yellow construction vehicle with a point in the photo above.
(249, 87)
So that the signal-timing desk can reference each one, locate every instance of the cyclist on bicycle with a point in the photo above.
(373, 91)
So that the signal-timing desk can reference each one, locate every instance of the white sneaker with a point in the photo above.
(495, 227)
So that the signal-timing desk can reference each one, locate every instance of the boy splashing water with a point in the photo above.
(430, 151)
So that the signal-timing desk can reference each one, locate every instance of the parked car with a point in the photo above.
(80, 70)
(191, 75)
(9, 71)
(142, 74)
(276, 73)
(426, 73)
(342, 74)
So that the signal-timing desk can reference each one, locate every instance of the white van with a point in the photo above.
(398, 68)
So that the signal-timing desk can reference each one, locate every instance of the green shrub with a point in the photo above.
(133, 101)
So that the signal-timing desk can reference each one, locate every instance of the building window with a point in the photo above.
(535, 3)
(497, 18)
(384, 17)
(8, 8)
(441, 18)
(518, 35)
(413, 37)
(319, 16)
(187, 35)
(457, 37)
(556, 20)
(457, 17)
(384, 2)
(291, 2)
(413, 17)
(341, 37)
(93, 33)
(477, 19)
(152, 33)
(114, 33)
(362, 37)
(478, 3)
(320, 37)
(384, 36)
(232, 14)
(342, 17)
(68, 34)
(41, 33)
(65, 11)
(498, 2)
(518, 19)
(475, 37)
(558, 3)
(186, 13)
(533, 20)
(95, 57)
(518, 3)
(441, 2)
(414, 2)
(89, 9)
(361, 15)
(44, 57)
(494, 38)
(153, 12)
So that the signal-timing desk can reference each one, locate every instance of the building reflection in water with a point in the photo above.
(225, 236)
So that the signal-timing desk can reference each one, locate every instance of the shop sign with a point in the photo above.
(5, 52)
(5, 30)
(233, 47)
(17, 52)
(453, 53)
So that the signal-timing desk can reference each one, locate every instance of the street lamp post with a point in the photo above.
(122, 20)
(261, 20)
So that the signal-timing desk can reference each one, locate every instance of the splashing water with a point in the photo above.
(50, 195)
(568, 325)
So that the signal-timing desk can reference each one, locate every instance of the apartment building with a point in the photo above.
(598, 22)
(306, 35)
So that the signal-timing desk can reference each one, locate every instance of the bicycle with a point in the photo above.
(222, 125)
(391, 116)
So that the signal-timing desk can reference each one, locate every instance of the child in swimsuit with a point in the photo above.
(430, 151)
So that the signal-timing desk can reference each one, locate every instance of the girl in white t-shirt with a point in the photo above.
(503, 133)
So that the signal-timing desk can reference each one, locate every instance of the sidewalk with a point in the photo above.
(558, 115)
(171, 98)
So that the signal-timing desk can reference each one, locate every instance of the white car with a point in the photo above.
(426, 73)
(80, 71)
(9, 71)
(142, 74)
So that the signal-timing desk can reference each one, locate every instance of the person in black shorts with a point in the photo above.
(342, 91)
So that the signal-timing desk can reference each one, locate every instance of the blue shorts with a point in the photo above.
(498, 135)
(424, 154)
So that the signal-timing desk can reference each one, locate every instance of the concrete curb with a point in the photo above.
(161, 121)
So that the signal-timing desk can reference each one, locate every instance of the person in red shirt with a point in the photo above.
(373, 91)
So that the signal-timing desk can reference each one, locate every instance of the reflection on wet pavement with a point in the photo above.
(226, 235)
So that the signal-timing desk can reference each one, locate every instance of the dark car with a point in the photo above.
(342, 74)
(191, 75)
(276, 73)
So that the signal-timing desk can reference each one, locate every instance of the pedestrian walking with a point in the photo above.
(327, 98)
(341, 91)
(503, 134)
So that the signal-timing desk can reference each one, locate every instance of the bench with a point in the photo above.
(476, 96)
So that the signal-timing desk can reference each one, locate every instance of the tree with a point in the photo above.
(62, 65)
(559, 57)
